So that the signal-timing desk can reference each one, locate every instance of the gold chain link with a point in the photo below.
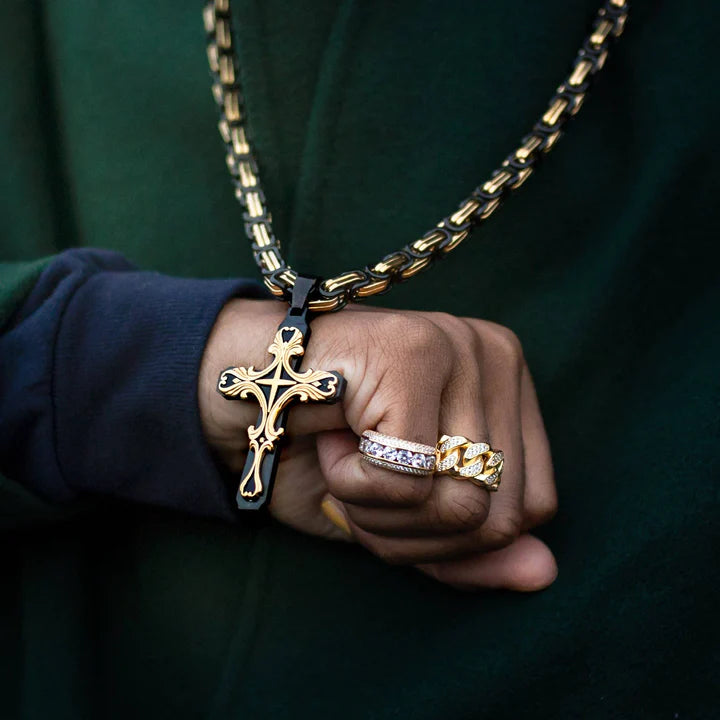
(354, 285)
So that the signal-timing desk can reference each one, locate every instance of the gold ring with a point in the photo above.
(392, 453)
(464, 459)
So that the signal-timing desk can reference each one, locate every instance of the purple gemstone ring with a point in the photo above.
(396, 454)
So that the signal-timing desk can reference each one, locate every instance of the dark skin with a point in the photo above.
(411, 375)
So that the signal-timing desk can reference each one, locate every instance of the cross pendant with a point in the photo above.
(275, 388)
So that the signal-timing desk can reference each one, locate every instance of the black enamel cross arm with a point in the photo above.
(275, 388)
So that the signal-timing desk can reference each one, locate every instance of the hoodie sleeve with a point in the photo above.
(98, 384)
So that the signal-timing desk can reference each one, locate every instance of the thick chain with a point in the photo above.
(334, 293)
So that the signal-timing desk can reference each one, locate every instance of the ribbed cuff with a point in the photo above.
(124, 389)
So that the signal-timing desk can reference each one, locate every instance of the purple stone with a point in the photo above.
(390, 454)
(375, 449)
(418, 460)
(404, 457)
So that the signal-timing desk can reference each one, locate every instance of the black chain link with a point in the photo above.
(334, 293)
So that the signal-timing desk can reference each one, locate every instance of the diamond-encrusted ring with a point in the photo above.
(397, 454)
(467, 460)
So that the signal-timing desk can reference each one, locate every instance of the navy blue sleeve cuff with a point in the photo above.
(102, 389)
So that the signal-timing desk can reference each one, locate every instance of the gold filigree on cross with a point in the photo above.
(274, 388)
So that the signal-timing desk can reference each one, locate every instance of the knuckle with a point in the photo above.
(458, 328)
(445, 320)
(455, 332)
(509, 343)
(543, 510)
(467, 511)
(353, 486)
(411, 342)
(407, 491)
(419, 333)
(501, 340)
(342, 487)
(549, 508)
(501, 531)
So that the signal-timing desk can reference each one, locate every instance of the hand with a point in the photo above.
(415, 376)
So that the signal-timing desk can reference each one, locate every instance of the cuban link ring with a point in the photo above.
(464, 459)
(396, 454)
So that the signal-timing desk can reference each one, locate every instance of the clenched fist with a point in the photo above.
(411, 375)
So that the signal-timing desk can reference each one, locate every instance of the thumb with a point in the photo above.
(526, 565)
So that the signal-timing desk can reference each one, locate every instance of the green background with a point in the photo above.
(371, 121)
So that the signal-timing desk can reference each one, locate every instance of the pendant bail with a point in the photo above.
(303, 289)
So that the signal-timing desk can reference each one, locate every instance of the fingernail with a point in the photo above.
(335, 516)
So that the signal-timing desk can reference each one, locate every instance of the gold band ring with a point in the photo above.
(392, 453)
(464, 459)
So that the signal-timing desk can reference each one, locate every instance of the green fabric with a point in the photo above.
(18, 279)
(372, 120)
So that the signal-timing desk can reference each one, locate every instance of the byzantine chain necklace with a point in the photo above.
(355, 285)
(280, 384)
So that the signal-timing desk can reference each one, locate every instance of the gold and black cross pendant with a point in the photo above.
(275, 388)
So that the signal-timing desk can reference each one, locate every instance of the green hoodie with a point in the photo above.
(371, 121)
